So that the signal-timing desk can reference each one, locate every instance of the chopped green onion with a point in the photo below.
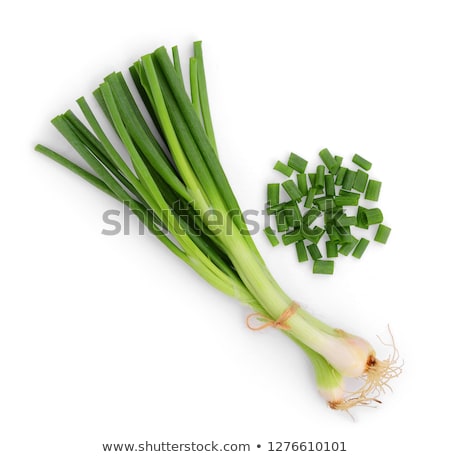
(325, 203)
(297, 163)
(328, 160)
(382, 234)
(302, 253)
(361, 162)
(346, 221)
(323, 267)
(340, 176)
(332, 248)
(372, 216)
(347, 200)
(271, 236)
(314, 251)
(302, 183)
(312, 179)
(293, 236)
(294, 212)
(320, 177)
(273, 194)
(276, 208)
(360, 248)
(361, 221)
(373, 190)
(292, 190)
(346, 248)
(339, 160)
(360, 181)
(282, 224)
(329, 186)
(310, 197)
(349, 180)
(283, 168)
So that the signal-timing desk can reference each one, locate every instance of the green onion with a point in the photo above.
(346, 248)
(323, 267)
(310, 197)
(314, 251)
(361, 162)
(382, 234)
(302, 254)
(312, 179)
(361, 221)
(177, 173)
(373, 190)
(302, 183)
(360, 248)
(346, 221)
(292, 190)
(338, 160)
(320, 177)
(329, 186)
(329, 160)
(325, 203)
(273, 194)
(372, 216)
(347, 200)
(340, 176)
(292, 237)
(332, 248)
(360, 181)
(271, 236)
(349, 180)
(297, 163)
(283, 168)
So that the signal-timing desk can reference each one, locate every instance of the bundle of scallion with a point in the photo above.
(172, 185)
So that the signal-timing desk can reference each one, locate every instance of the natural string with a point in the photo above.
(280, 323)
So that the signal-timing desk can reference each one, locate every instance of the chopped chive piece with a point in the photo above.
(323, 267)
(372, 216)
(329, 186)
(328, 160)
(347, 200)
(347, 193)
(360, 248)
(280, 218)
(382, 234)
(339, 160)
(313, 234)
(310, 197)
(373, 190)
(361, 162)
(273, 194)
(320, 176)
(340, 176)
(360, 181)
(292, 190)
(302, 253)
(332, 248)
(283, 168)
(302, 184)
(346, 221)
(297, 163)
(276, 208)
(310, 216)
(271, 236)
(312, 179)
(314, 251)
(360, 221)
(292, 237)
(325, 203)
(346, 248)
(349, 180)
(293, 213)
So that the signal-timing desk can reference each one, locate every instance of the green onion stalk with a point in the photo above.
(173, 180)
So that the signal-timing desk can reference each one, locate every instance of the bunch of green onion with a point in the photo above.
(174, 180)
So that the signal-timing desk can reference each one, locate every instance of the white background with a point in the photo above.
(110, 339)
